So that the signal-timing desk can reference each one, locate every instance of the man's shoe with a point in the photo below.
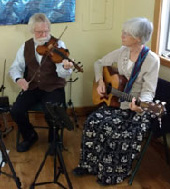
(26, 144)
(79, 171)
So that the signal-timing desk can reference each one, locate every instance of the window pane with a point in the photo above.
(164, 48)
(168, 33)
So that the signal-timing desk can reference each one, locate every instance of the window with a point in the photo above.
(164, 47)
(161, 34)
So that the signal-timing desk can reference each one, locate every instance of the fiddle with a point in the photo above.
(57, 55)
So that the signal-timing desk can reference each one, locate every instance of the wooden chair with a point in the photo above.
(35, 109)
(162, 94)
(140, 157)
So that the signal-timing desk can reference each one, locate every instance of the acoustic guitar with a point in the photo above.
(115, 84)
(110, 75)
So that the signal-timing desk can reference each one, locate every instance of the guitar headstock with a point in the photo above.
(157, 108)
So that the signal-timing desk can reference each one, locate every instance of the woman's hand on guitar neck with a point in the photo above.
(101, 88)
(134, 107)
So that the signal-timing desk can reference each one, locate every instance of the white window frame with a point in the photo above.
(164, 46)
(156, 37)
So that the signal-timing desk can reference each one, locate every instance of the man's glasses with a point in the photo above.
(41, 32)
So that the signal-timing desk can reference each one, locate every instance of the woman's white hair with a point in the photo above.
(37, 18)
(140, 28)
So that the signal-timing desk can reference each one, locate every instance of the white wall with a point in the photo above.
(95, 32)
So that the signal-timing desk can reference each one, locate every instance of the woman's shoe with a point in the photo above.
(102, 183)
(79, 171)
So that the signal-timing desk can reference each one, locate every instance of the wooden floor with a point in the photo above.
(154, 173)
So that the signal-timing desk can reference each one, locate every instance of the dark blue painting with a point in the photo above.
(19, 11)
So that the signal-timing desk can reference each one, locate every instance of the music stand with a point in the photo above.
(4, 106)
(59, 117)
(70, 102)
(6, 159)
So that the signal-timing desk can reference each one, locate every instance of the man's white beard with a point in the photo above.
(42, 41)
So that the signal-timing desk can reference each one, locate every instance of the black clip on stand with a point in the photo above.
(5, 159)
(59, 118)
(4, 107)
(70, 103)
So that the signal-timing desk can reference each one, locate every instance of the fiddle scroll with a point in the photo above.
(57, 55)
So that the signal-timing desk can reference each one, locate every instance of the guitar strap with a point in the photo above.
(136, 69)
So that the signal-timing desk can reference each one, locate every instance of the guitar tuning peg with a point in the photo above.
(144, 109)
(157, 101)
(163, 103)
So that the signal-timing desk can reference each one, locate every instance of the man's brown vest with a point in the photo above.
(46, 77)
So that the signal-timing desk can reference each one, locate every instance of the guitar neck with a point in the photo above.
(123, 96)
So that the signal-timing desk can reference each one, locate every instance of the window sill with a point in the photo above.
(165, 61)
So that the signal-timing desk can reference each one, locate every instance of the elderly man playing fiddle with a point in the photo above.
(40, 79)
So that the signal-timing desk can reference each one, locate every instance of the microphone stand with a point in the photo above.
(2, 86)
(4, 110)
(5, 159)
(70, 102)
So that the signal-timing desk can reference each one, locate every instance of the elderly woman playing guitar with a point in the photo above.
(112, 136)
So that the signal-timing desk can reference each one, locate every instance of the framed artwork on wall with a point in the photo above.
(19, 11)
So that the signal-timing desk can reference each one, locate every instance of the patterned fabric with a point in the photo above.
(111, 141)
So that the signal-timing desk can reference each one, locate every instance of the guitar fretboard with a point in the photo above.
(123, 96)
